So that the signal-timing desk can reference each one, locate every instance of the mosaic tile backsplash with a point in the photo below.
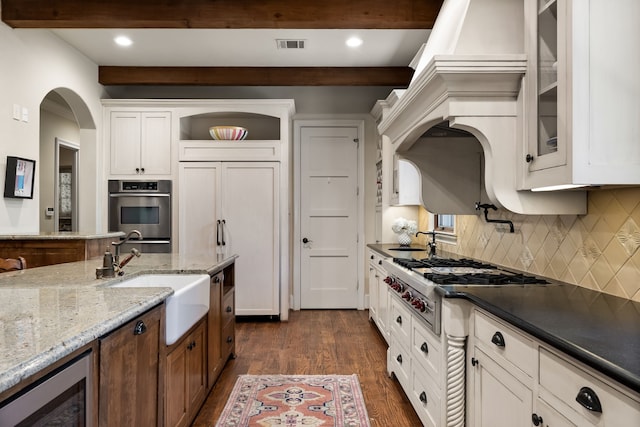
(598, 250)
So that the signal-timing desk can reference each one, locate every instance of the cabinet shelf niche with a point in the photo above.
(260, 127)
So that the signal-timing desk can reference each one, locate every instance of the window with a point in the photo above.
(442, 222)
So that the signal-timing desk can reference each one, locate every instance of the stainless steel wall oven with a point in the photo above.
(144, 206)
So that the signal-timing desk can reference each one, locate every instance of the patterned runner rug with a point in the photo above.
(295, 400)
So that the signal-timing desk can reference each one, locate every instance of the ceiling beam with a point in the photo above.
(293, 14)
(256, 76)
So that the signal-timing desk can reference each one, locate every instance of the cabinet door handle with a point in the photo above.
(424, 347)
(589, 399)
(223, 224)
(137, 170)
(216, 279)
(218, 233)
(140, 328)
(399, 359)
(423, 397)
(536, 419)
(229, 339)
(399, 320)
(228, 309)
(474, 361)
(190, 346)
(141, 170)
(498, 339)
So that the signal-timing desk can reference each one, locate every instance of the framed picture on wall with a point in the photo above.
(18, 182)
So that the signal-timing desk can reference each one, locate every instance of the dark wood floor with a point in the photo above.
(316, 342)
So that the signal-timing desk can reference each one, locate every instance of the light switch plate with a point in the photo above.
(25, 114)
(17, 112)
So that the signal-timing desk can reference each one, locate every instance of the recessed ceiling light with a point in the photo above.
(123, 41)
(354, 42)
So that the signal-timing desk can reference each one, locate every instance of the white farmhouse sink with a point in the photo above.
(187, 305)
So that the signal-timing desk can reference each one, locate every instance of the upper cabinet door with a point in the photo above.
(582, 92)
(140, 143)
(124, 142)
(155, 143)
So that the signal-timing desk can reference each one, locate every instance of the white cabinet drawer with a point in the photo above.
(503, 341)
(399, 363)
(401, 322)
(375, 259)
(425, 349)
(565, 382)
(424, 397)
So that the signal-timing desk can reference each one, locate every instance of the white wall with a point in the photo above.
(32, 63)
(53, 126)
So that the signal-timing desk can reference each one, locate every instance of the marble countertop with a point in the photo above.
(600, 330)
(62, 235)
(49, 312)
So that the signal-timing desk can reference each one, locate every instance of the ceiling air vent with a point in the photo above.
(290, 44)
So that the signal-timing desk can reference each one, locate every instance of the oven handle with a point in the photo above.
(140, 195)
(145, 242)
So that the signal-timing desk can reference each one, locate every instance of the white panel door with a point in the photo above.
(199, 189)
(328, 217)
(251, 215)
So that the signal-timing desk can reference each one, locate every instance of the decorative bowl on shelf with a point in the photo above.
(228, 133)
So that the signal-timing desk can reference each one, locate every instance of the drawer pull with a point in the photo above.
(229, 340)
(589, 399)
(424, 347)
(399, 320)
(536, 419)
(498, 339)
(423, 397)
(399, 359)
(228, 309)
(140, 328)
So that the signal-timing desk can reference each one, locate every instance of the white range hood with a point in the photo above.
(469, 81)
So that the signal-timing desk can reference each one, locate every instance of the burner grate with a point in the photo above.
(483, 279)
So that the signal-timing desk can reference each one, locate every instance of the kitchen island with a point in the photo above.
(50, 312)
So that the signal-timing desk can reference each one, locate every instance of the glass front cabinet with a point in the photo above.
(581, 116)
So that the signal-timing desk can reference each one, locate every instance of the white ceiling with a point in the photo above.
(246, 47)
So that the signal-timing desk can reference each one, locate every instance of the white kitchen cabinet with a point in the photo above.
(416, 359)
(405, 183)
(503, 365)
(499, 399)
(378, 294)
(234, 208)
(581, 113)
(523, 382)
(139, 142)
(582, 397)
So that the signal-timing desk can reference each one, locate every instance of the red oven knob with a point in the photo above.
(388, 280)
(407, 295)
(418, 304)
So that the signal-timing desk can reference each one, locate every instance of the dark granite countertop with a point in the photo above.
(598, 329)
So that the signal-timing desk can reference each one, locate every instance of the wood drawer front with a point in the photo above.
(228, 307)
(564, 381)
(425, 397)
(517, 349)
(228, 339)
(425, 349)
(400, 322)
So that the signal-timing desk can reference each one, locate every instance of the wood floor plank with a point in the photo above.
(316, 342)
